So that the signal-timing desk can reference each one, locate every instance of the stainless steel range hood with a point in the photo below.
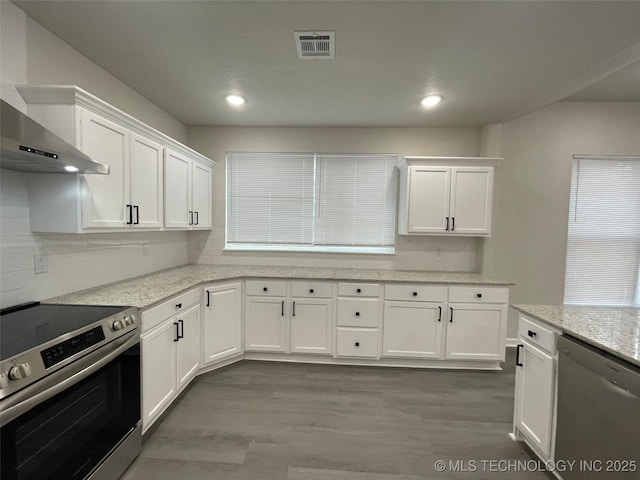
(29, 147)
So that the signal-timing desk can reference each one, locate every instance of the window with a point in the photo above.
(311, 202)
(603, 245)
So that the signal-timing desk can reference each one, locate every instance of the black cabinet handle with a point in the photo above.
(359, 290)
(357, 344)
(282, 308)
(137, 215)
(453, 223)
(190, 217)
(357, 314)
(130, 214)
(264, 289)
(479, 295)
(177, 337)
(311, 290)
(178, 305)
(531, 333)
(208, 298)
(451, 318)
(439, 314)
(447, 227)
(518, 364)
(196, 212)
(294, 309)
(415, 294)
(181, 335)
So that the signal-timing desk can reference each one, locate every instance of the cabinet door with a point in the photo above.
(471, 200)
(428, 199)
(412, 329)
(188, 346)
(222, 322)
(104, 196)
(534, 395)
(311, 325)
(265, 324)
(201, 195)
(475, 331)
(146, 182)
(158, 371)
(177, 190)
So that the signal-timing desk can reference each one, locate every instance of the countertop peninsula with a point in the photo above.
(614, 330)
(148, 290)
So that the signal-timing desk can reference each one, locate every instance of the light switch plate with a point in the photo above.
(40, 263)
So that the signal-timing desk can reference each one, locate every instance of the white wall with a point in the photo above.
(31, 54)
(531, 198)
(430, 253)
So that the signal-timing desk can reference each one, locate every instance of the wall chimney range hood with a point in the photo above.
(27, 146)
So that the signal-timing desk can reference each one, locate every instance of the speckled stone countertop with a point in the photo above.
(615, 330)
(148, 290)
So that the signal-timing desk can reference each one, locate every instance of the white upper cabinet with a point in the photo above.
(446, 196)
(132, 195)
(188, 192)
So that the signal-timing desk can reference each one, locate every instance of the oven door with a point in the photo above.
(66, 425)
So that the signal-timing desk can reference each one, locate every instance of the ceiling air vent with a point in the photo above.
(318, 45)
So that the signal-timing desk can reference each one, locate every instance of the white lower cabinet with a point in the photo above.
(311, 325)
(170, 353)
(358, 315)
(265, 324)
(535, 392)
(412, 329)
(475, 331)
(222, 322)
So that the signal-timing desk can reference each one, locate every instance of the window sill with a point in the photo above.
(306, 249)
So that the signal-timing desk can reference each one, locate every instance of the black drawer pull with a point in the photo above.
(178, 305)
(264, 289)
(357, 314)
(439, 314)
(531, 333)
(357, 344)
(359, 290)
(294, 309)
(177, 337)
(208, 298)
(415, 294)
(447, 227)
(311, 290)
(451, 318)
(479, 295)
(282, 308)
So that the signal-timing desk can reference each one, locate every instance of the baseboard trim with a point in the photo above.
(511, 342)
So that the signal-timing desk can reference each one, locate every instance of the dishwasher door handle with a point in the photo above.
(618, 389)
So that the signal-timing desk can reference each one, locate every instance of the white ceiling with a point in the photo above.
(490, 60)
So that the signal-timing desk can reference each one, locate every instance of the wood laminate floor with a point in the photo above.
(263, 421)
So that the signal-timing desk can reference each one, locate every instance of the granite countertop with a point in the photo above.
(148, 290)
(615, 330)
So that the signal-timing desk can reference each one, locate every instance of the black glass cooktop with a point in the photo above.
(27, 326)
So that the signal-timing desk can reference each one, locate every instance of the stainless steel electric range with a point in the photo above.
(69, 391)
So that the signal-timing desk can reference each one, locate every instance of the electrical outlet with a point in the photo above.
(40, 263)
(438, 253)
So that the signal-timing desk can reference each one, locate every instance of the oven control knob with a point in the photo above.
(4, 380)
(118, 325)
(129, 320)
(21, 370)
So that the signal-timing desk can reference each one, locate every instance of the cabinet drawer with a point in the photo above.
(478, 294)
(156, 315)
(359, 289)
(267, 288)
(312, 289)
(537, 333)
(419, 293)
(358, 312)
(357, 342)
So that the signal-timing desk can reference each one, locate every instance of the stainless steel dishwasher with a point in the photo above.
(598, 413)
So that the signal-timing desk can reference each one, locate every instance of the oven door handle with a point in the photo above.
(50, 386)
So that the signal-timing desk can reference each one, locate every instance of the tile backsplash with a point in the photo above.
(75, 262)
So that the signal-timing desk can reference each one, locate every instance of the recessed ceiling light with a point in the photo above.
(431, 100)
(234, 99)
(71, 168)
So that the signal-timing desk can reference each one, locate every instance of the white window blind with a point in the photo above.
(603, 245)
(311, 202)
